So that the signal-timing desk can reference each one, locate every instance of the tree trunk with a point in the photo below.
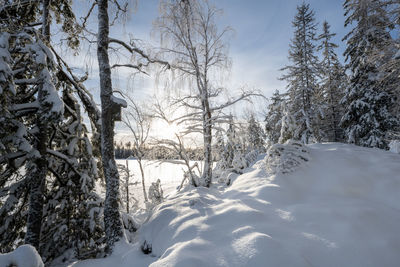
(207, 139)
(127, 187)
(143, 185)
(112, 217)
(38, 168)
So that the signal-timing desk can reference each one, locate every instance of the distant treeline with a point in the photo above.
(123, 151)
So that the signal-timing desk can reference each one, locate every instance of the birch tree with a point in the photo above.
(139, 123)
(197, 50)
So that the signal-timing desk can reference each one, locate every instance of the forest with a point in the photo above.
(73, 193)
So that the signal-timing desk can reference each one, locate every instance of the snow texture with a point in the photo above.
(395, 146)
(339, 209)
(23, 256)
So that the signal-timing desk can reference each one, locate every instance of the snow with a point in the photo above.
(394, 146)
(23, 256)
(339, 208)
(119, 101)
(170, 175)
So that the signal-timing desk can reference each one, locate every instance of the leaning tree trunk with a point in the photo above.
(112, 217)
(38, 166)
(143, 184)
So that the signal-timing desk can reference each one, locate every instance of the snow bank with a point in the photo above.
(23, 256)
(340, 207)
(394, 146)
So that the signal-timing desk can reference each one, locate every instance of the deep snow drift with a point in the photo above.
(23, 256)
(339, 207)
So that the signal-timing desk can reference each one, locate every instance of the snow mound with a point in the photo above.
(394, 146)
(286, 158)
(23, 256)
(341, 208)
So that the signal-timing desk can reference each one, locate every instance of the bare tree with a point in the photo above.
(197, 50)
(126, 177)
(177, 146)
(139, 123)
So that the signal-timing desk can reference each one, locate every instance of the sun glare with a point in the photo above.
(165, 130)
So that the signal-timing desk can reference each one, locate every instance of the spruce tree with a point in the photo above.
(301, 75)
(273, 118)
(333, 80)
(255, 135)
(367, 117)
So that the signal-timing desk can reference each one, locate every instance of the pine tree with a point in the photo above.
(35, 77)
(302, 74)
(288, 125)
(255, 135)
(333, 80)
(273, 118)
(367, 116)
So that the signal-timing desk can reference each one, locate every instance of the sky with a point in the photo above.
(258, 47)
(262, 32)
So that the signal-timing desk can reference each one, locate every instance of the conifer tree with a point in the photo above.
(367, 117)
(255, 135)
(333, 80)
(301, 75)
(273, 118)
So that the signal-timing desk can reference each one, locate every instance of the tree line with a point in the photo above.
(328, 101)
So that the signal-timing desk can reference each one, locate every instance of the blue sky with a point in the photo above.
(262, 33)
(258, 47)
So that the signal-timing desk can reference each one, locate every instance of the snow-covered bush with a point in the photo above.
(394, 146)
(239, 162)
(251, 157)
(286, 158)
(156, 193)
(23, 256)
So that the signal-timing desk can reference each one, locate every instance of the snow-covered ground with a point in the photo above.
(339, 207)
(170, 175)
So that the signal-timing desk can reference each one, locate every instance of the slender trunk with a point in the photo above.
(207, 139)
(112, 217)
(38, 167)
(143, 185)
(127, 187)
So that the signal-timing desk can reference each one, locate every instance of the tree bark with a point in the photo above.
(143, 185)
(38, 167)
(112, 217)
(207, 139)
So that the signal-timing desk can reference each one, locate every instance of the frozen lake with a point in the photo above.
(170, 175)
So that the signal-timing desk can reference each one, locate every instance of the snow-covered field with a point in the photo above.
(170, 175)
(340, 208)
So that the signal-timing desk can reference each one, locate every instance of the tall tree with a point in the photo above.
(333, 81)
(35, 77)
(109, 111)
(197, 49)
(302, 74)
(367, 116)
(49, 105)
